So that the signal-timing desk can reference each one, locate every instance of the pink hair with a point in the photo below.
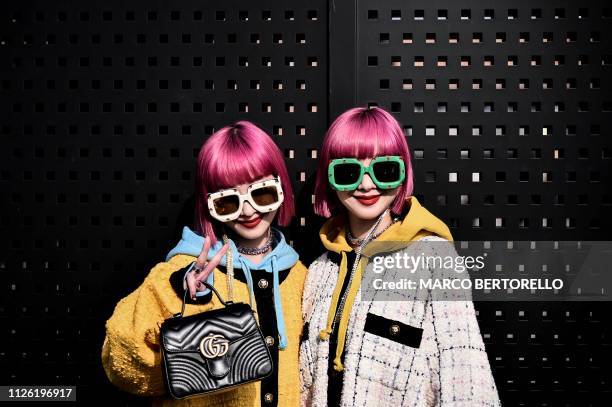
(361, 133)
(238, 154)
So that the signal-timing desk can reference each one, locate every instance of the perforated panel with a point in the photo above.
(506, 108)
(105, 106)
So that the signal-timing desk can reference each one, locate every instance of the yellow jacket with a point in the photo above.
(131, 352)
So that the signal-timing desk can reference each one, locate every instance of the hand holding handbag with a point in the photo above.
(213, 351)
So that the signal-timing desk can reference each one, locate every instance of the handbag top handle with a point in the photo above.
(225, 303)
(230, 282)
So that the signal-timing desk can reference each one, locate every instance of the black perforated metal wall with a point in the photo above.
(104, 106)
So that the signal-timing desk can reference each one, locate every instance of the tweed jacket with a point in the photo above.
(416, 351)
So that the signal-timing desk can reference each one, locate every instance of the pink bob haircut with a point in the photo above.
(234, 155)
(361, 133)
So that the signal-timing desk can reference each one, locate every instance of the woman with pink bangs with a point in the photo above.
(365, 346)
(242, 190)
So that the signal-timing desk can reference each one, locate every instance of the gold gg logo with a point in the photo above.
(214, 346)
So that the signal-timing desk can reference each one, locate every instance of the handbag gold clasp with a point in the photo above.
(214, 346)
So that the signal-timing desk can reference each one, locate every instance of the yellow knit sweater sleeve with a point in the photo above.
(131, 354)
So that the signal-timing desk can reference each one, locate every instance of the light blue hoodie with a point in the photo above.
(282, 257)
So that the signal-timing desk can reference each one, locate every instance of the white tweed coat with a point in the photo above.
(449, 367)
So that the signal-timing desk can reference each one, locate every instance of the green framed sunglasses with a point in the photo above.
(387, 172)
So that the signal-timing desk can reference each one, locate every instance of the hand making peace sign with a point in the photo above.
(202, 268)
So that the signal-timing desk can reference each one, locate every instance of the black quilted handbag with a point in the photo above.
(213, 351)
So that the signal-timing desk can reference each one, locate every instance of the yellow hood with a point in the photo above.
(417, 223)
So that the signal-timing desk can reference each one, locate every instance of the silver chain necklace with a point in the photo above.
(358, 251)
(254, 251)
(353, 241)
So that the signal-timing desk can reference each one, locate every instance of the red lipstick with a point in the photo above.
(367, 200)
(250, 223)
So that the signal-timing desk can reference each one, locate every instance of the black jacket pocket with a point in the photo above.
(304, 333)
(393, 330)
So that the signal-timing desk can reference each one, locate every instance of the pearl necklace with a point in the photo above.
(353, 241)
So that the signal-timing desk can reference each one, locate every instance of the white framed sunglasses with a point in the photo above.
(264, 196)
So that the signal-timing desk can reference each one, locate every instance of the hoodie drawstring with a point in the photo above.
(345, 305)
(278, 306)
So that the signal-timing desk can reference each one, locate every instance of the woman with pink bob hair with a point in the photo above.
(367, 340)
(361, 135)
(238, 154)
(242, 190)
